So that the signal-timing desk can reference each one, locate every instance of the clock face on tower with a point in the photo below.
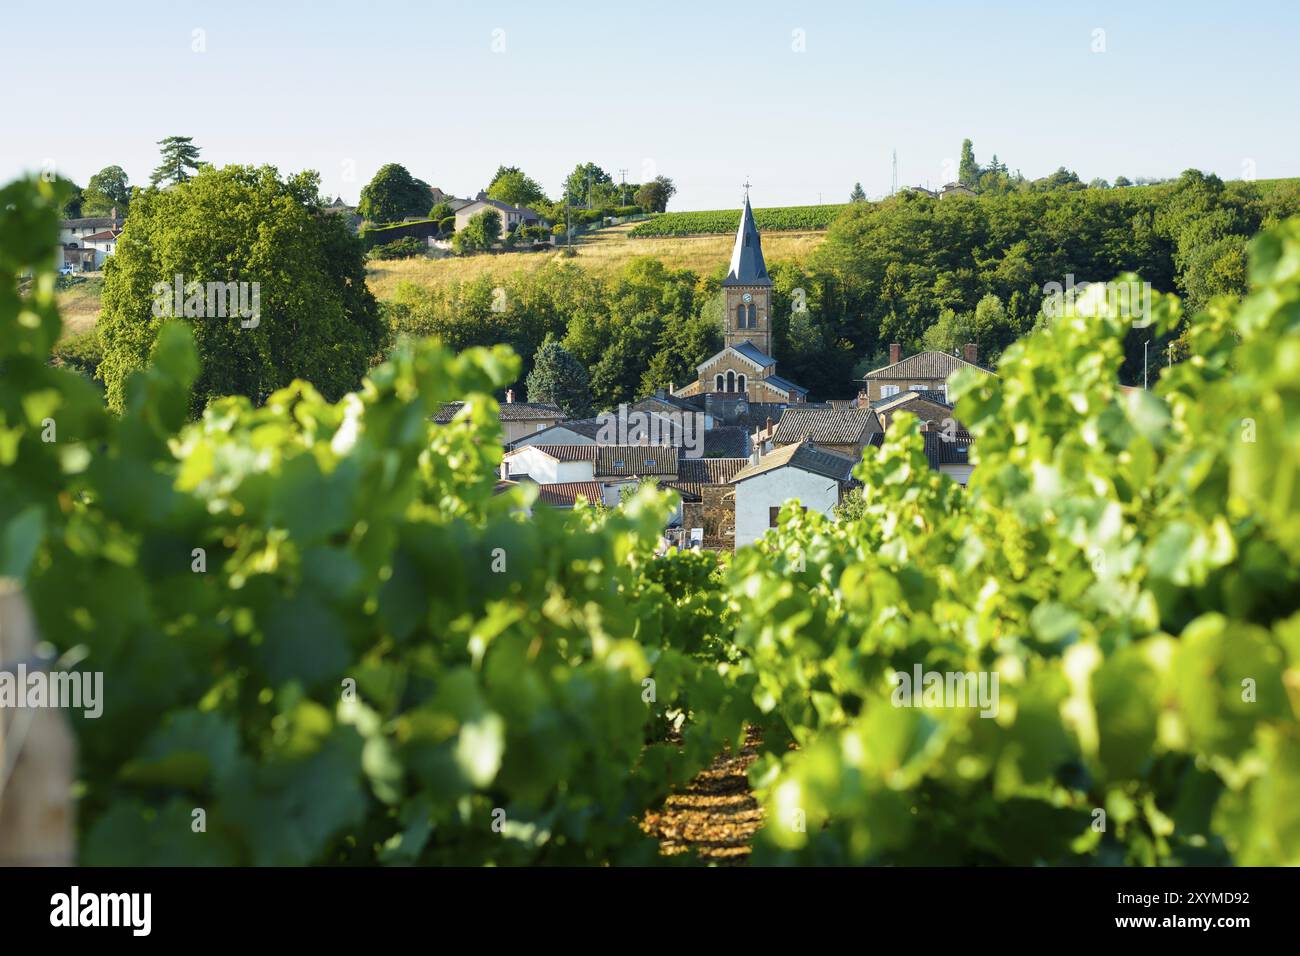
(747, 297)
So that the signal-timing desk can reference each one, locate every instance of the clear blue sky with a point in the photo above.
(704, 92)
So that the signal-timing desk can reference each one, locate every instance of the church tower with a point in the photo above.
(748, 288)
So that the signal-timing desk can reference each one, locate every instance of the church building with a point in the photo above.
(745, 365)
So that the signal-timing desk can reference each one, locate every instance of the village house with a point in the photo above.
(518, 419)
(85, 243)
(924, 371)
(511, 216)
(845, 431)
(816, 477)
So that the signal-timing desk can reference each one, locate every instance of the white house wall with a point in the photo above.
(754, 496)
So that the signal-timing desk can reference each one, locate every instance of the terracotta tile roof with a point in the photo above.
(565, 493)
(933, 365)
(562, 452)
(805, 456)
(826, 426)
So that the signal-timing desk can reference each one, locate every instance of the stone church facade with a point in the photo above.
(745, 365)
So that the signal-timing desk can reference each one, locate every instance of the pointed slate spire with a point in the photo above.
(747, 265)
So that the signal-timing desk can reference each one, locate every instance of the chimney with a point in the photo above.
(971, 353)
(768, 427)
(510, 396)
(660, 393)
(895, 353)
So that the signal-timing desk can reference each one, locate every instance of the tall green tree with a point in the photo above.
(107, 189)
(858, 194)
(654, 195)
(180, 157)
(241, 233)
(580, 183)
(393, 194)
(512, 185)
(968, 171)
(560, 378)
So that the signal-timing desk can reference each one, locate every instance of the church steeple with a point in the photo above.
(747, 265)
(748, 288)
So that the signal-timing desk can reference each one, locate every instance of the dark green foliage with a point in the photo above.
(180, 158)
(559, 378)
(405, 248)
(393, 194)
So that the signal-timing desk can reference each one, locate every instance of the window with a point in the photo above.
(887, 390)
(719, 388)
(540, 427)
(917, 388)
(753, 323)
(772, 512)
(731, 381)
(740, 316)
(740, 383)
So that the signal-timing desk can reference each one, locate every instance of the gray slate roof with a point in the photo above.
(805, 456)
(786, 385)
(747, 265)
(726, 441)
(633, 461)
(510, 412)
(935, 365)
(754, 353)
(827, 426)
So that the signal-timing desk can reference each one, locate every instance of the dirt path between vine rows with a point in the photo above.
(716, 815)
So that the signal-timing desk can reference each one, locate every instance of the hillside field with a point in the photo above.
(604, 252)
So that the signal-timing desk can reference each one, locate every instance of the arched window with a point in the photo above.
(753, 323)
(740, 316)
(731, 381)
(719, 388)
(740, 383)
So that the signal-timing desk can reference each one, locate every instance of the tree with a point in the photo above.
(243, 235)
(578, 187)
(480, 233)
(179, 156)
(560, 378)
(512, 186)
(1121, 181)
(393, 194)
(1098, 183)
(441, 212)
(968, 171)
(106, 190)
(654, 195)
(858, 194)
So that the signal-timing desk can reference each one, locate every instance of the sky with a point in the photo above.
(800, 99)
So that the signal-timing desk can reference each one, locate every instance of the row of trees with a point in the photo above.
(394, 193)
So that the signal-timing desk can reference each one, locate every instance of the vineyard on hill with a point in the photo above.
(778, 219)
(319, 626)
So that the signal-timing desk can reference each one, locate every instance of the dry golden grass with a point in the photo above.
(79, 305)
(603, 252)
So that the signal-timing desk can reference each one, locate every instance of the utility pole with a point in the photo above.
(622, 175)
(1144, 363)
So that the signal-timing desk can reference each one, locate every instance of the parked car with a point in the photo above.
(65, 270)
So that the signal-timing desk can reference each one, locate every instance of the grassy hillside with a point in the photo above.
(603, 252)
(79, 304)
